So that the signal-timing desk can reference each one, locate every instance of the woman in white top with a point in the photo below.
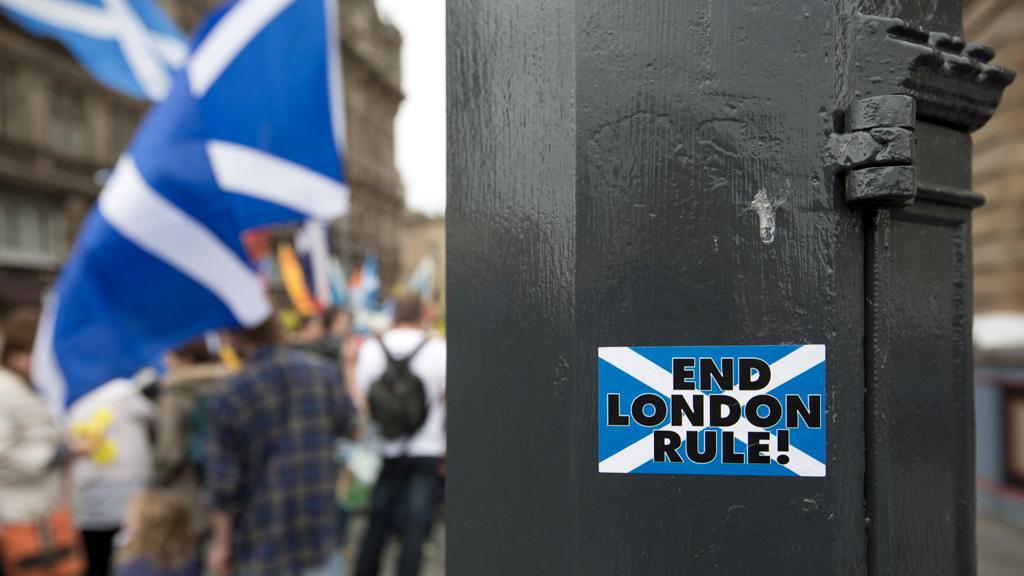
(31, 450)
(30, 447)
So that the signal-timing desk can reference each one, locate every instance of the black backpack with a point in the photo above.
(398, 399)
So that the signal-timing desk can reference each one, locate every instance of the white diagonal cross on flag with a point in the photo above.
(148, 54)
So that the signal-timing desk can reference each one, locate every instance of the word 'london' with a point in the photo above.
(719, 410)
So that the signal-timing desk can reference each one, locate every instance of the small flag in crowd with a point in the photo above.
(339, 285)
(422, 279)
(294, 280)
(312, 243)
(129, 45)
(366, 284)
(250, 134)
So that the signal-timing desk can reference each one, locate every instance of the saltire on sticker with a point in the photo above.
(630, 372)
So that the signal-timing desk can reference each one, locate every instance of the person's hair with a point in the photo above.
(408, 309)
(311, 320)
(332, 314)
(266, 334)
(162, 530)
(195, 351)
(19, 332)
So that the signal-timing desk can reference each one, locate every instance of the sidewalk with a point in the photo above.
(1000, 548)
(433, 551)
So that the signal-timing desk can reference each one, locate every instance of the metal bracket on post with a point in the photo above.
(952, 82)
(917, 272)
(876, 153)
(905, 74)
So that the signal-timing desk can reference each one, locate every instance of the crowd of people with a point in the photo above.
(208, 466)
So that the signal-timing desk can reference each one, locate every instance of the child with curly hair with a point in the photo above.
(161, 539)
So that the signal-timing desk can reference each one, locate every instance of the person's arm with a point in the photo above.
(25, 455)
(366, 367)
(349, 358)
(219, 558)
(223, 482)
(343, 409)
(170, 449)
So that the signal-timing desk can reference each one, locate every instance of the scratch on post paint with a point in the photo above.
(765, 208)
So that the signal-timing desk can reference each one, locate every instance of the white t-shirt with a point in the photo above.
(430, 364)
(103, 490)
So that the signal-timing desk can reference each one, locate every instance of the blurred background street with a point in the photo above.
(433, 552)
(1000, 552)
(63, 129)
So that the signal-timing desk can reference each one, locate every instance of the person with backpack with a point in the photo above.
(193, 375)
(402, 375)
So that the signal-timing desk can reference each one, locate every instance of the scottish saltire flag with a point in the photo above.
(250, 134)
(712, 410)
(366, 285)
(129, 45)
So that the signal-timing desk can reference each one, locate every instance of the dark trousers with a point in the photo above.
(99, 547)
(404, 501)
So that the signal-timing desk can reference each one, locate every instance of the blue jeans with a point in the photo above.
(404, 501)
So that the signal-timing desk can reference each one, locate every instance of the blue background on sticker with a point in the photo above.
(612, 439)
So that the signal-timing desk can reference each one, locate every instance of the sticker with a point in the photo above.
(728, 410)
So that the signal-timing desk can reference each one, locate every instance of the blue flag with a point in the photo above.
(250, 134)
(129, 45)
(367, 292)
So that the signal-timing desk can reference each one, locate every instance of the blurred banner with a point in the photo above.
(311, 241)
(339, 284)
(129, 45)
(251, 134)
(295, 281)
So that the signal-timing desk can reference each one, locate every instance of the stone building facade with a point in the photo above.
(422, 236)
(998, 229)
(60, 130)
(371, 56)
(999, 163)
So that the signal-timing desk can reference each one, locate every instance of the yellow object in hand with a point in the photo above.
(106, 453)
(97, 425)
(95, 428)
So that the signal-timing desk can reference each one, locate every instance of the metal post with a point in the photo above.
(689, 173)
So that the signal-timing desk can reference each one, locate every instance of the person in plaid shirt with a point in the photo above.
(270, 468)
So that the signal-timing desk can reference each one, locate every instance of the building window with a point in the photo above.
(13, 120)
(67, 129)
(122, 127)
(31, 232)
